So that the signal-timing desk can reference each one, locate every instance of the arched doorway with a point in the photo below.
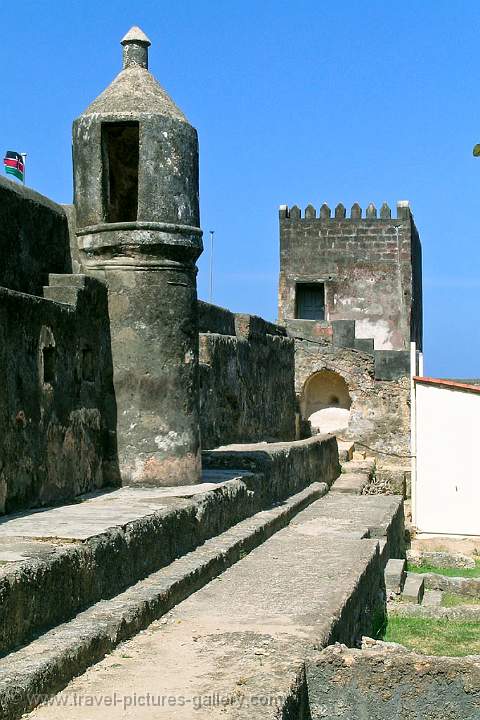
(326, 401)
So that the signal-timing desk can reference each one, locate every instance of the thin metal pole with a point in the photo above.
(212, 232)
(24, 158)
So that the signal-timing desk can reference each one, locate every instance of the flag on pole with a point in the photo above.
(14, 165)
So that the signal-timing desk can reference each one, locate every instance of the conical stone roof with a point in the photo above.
(135, 90)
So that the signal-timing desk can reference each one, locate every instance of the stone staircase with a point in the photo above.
(64, 288)
(355, 476)
(221, 587)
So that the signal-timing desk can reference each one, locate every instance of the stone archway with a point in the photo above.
(326, 401)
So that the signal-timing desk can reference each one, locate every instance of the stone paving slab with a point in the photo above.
(352, 483)
(359, 466)
(236, 647)
(96, 512)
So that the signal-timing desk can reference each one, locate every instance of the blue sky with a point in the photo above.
(295, 102)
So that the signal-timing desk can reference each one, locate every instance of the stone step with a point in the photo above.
(352, 483)
(61, 293)
(57, 562)
(413, 588)
(345, 450)
(354, 466)
(73, 281)
(243, 636)
(51, 661)
(395, 575)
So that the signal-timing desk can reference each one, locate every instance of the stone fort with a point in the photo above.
(211, 494)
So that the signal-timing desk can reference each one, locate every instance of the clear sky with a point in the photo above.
(299, 101)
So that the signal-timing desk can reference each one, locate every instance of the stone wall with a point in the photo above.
(246, 379)
(370, 267)
(34, 239)
(390, 683)
(56, 405)
(380, 409)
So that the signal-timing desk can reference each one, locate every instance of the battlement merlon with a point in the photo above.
(340, 213)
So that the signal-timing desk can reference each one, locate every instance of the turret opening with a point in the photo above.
(120, 157)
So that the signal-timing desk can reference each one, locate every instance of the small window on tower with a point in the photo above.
(120, 157)
(310, 301)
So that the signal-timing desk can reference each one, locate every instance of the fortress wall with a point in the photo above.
(380, 409)
(247, 376)
(56, 397)
(34, 239)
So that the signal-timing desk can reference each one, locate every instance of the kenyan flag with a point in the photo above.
(13, 163)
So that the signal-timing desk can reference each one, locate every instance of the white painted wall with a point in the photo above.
(448, 466)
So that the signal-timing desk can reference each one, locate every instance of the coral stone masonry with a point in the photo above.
(137, 225)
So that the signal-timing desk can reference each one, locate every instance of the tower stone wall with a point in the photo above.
(369, 267)
(137, 224)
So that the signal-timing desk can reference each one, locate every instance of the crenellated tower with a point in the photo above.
(365, 268)
(138, 228)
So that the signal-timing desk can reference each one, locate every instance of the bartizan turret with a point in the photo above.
(137, 223)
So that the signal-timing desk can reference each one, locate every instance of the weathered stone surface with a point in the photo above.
(289, 466)
(470, 587)
(57, 403)
(34, 239)
(122, 537)
(52, 660)
(395, 575)
(389, 682)
(357, 259)
(432, 598)
(392, 365)
(440, 559)
(467, 613)
(247, 389)
(246, 635)
(365, 465)
(345, 451)
(379, 413)
(352, 483)
(413, 588)
(143, 243)
(215, 319)
(389, 478)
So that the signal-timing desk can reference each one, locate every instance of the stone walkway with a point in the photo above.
(236, 647)
(94, 514)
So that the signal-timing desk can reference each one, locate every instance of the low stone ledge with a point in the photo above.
(459, 612)
(288, 466)
(352, 483)
(468, 587)
(440, 559)
(388, 681)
